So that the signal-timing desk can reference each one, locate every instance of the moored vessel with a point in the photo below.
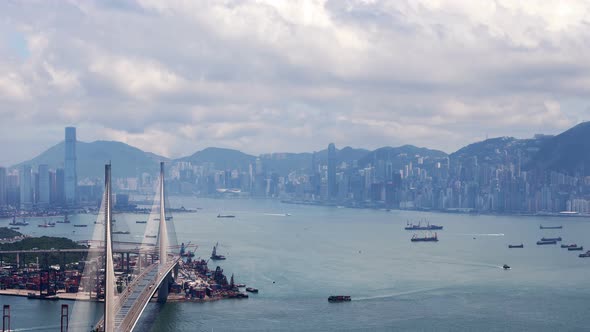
(575, 249)
(215, 256)
(516, 245)
(551, 239)
(426, 238)
(539, 243)
(550, 227)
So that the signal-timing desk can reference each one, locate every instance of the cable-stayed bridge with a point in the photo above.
(124, 307)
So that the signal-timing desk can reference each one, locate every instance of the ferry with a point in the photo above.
(546, 242)
(516, 246)
(339, 298)
(550, 227)
(575, 249)
(419, 227)
(215, 256)
(551, 239)
(416, 238)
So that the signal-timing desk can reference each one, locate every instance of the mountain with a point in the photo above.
(400, 156)
(568, 152)
(127, 161)
(496, 151)
(221, 158)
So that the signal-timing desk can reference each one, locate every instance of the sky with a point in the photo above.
(173, 77)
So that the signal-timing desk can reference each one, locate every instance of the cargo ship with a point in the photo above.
(120, 232)
(419, 227)
(141, 221)
(215, 256)
(585, 255)
(569, 245)
(80, 225)
(225, 216)
(18, 223)
(550, 227)
(516, 245)
(539, 243)
(551, 239)
(339, 298)
(575, 249)
(416, 238)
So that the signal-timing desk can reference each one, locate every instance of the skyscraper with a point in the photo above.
(2, 186)
(332, 190)
(71, 177)
(43, 199)
(26, 188)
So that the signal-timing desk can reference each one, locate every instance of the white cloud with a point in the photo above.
(292, 75)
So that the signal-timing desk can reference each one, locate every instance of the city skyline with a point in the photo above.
(289, 76)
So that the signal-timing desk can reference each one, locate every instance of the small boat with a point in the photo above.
(575, 249)
(516, 245)
(539, 243)
(215, 256)
(550, 227)
(416, 238)
(251, 289)
(80, 225)
(551, 239)
(506, 267)
(569, 245)
(141, 221)
(241, 285)
(225, 216)
(339, 298)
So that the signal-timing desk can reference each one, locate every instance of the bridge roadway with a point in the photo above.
(93, 250)
(131, 303)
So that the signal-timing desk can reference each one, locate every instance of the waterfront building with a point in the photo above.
(26, 188)
(3, 186)
(332, 188)
(71, 177)
(44, 186)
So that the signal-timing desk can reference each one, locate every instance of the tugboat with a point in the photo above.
(506, 267)
(551, 239)
(428, 227)
(575, 249)
(550, 227)
(215, 256)
(339, 298)
(225, 216)
(516, 246)
(416, 238)
(251, 289)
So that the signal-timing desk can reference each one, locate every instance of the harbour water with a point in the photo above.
(298, 260)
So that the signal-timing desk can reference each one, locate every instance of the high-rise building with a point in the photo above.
(332, 190)
(44, 188)
(26, 188)
(3, 186)
(71, 177)
(60, 195)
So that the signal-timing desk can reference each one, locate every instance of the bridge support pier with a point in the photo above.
(164, 289)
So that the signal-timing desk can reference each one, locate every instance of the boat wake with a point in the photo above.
(385, 296)
(484, 234)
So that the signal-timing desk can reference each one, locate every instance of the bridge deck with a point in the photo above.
(132, 302)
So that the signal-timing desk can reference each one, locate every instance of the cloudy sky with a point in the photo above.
(176, 76)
